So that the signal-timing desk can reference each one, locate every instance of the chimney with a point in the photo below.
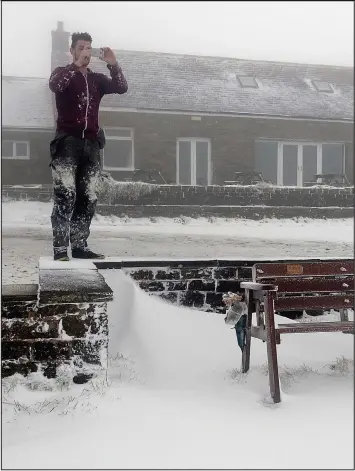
(60, 46)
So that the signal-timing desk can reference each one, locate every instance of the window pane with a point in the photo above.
(7, 148)
(184, 162)
(247, 81)
(322, 86)
(309, 163)
(332, 158)
(21, 149)
(202, 163)
(118, 132)
(266, 160)
(349, 162)
(118, 154)
(290, 164)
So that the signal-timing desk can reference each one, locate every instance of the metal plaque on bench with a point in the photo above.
(294, 269)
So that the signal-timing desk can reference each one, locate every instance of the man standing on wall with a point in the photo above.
(75, 150)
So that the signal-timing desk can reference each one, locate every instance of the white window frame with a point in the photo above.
(118, 138)
(14, 157)
(193, 141)
(300, 144)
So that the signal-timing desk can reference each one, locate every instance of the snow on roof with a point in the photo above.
(160, 81)
(26, 103)
(171, 82)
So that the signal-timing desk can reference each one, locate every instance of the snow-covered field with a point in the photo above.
(27, 236)
(173, 398)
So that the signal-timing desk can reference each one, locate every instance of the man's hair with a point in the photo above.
(75, 37)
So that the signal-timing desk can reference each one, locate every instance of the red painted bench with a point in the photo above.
(280, 287)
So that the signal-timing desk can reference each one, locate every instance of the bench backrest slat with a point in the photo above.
(262, 271)
(314, 285)
(297, 303)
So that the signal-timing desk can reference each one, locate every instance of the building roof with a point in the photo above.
(160, 81)
(171, 82)
(26, 103)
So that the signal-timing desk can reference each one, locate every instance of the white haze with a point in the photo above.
(307, 32)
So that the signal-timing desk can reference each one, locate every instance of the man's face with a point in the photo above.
(79, 46)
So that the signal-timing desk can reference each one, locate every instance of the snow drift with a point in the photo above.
(175, 399)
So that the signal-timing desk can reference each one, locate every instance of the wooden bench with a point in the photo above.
(279, 287)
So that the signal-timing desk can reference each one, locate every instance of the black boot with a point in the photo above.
(61, 256)
(86, 254)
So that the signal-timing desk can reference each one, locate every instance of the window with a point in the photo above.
(193, 166)
(291, 163)
(266, 160)
(322, 86)
(333, 158)
(247, 81)
(15, 150)
(118, 153)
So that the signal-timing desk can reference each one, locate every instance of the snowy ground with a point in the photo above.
(174, 398)
(26, 235)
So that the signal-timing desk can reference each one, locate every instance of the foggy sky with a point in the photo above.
(308, 32)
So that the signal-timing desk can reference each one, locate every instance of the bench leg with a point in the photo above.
(246, 350)
(274, 381)
(344, 315)
(259, 315)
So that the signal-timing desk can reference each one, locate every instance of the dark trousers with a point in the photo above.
(240, 330)
(75, 170)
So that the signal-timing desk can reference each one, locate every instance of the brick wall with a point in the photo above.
(36, 169)
(232, 139)
(155, 136)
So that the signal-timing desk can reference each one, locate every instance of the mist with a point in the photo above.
(306, 32)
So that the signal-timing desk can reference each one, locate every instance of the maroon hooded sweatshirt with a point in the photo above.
(78, 97)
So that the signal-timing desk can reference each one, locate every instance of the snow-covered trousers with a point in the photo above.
(75, 170)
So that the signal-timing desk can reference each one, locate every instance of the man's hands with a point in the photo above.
(109, 56)
(84, 58)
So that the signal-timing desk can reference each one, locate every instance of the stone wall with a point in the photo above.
(198, 284)
(198, 287)
(247, 212)
(235, 196)
(143, 200)
(175, 195)
(63, 321)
